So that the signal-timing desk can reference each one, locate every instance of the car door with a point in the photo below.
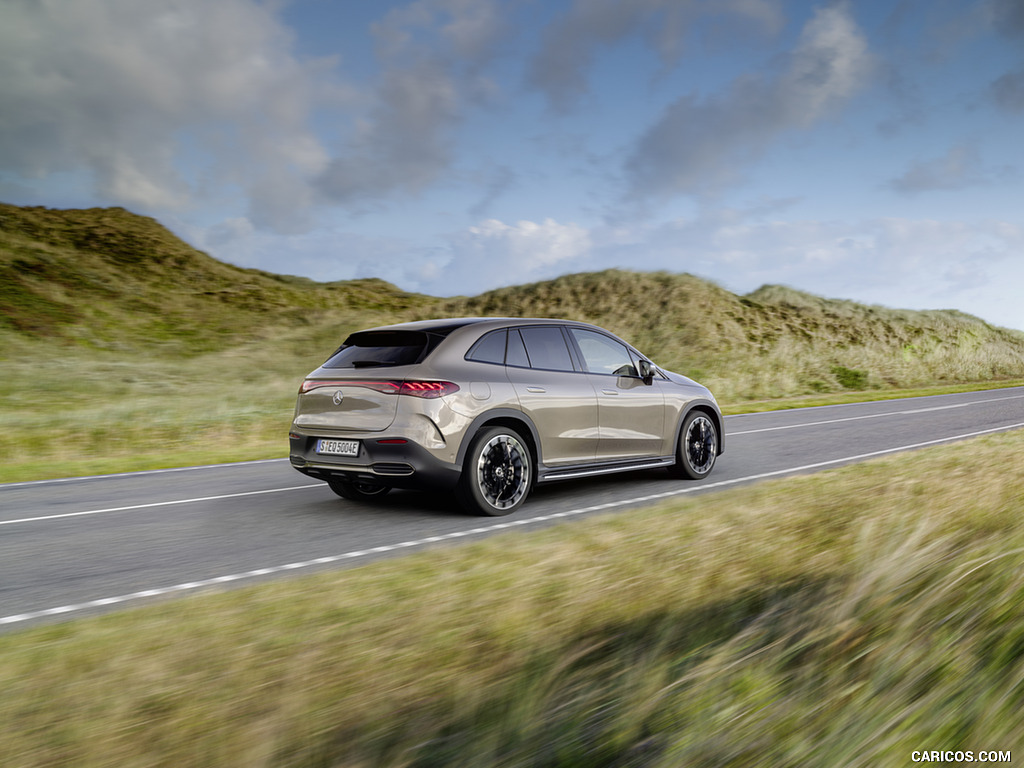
(631, 413)
(557, 397)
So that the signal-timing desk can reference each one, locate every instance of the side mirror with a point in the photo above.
(647, 371)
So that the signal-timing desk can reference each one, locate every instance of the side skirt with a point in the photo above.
(547, 474)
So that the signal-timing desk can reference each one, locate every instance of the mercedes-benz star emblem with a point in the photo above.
(338, 397)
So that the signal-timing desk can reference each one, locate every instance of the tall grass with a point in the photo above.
(847, 618)
(122, 347)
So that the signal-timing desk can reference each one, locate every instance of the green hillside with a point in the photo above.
(774, 342)
(108, 278)
(123, 347)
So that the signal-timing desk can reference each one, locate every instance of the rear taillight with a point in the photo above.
(427, 389)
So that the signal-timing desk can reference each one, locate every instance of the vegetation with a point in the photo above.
(774, 342)
(121, 347)
(845, 618)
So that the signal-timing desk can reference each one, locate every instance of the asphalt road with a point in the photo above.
(81, 546)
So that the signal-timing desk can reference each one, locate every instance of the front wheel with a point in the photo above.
(358, 491)
(497, 474)
(698, 447)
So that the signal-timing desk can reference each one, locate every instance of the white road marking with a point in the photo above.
(877, 402)
(4, 486)
(872, 416)
(159, 504)
(194, 585)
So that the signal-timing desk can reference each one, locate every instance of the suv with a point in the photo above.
(491, 406)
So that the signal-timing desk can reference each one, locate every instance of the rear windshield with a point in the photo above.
(374, 349)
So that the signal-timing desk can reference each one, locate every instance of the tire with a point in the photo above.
(698, 447)
(358, 491)
(498, 473)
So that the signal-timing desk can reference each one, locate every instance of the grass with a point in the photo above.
(845, 398)
(104, 414)
(122, 347)
(845, 618)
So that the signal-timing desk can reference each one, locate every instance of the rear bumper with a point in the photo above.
(400, 465)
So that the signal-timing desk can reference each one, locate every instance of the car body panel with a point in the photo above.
(577, 422)
(564, 408)
(631, 415)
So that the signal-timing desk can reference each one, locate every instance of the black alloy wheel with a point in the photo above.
(698, 447)
(497, 474)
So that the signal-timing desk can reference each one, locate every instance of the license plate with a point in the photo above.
(338, 447)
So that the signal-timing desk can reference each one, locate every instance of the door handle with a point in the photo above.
(536, 390)
(610, 392)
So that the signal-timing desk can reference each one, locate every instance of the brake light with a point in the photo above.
(426, 389)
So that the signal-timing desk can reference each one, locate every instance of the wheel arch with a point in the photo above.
(502, 417)
(709, 409)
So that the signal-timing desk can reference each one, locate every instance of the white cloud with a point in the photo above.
(493, 253)
(124, 90)
(570, 44)
(960, 168)
(1007, 19)
(699, 146)
(434, 54)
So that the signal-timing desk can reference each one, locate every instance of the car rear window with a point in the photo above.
(373, 349)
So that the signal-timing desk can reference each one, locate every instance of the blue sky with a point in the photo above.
(864, 150)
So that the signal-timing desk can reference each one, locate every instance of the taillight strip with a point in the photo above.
(424, 389)
(386, 387)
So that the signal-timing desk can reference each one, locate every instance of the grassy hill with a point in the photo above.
(153, 353)
(109, 279)
(774, 342)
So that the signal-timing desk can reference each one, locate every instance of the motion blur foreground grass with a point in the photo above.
(846, 618)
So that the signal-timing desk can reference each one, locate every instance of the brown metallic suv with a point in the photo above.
(490, 406)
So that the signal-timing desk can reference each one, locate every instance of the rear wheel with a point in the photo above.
(497, 474)
(358, 490)
(698, 447)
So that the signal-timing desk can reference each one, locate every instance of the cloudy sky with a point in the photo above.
(868, 150)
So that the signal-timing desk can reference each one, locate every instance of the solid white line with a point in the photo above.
(877, 402)
(193, 585)
(873, 416)
(4, 486)
(159, 504)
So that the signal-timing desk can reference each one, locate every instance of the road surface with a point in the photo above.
(81, 546)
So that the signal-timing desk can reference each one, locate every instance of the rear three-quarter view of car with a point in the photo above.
(488, 407)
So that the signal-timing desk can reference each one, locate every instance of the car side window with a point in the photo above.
(490, 348)
(516, 354)
(602, 354)
(546, 348)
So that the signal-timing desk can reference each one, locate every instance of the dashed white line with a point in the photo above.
(194, 585)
